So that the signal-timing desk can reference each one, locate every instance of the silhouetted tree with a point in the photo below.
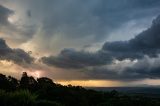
(45, 80)
(4, 83)
(24, 82)
(27, 82)
(13, 83)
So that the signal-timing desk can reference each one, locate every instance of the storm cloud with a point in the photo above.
(145, 43)
(70, 58)
(18, 56)
(146, 68)
(49, 28)
(73, 21)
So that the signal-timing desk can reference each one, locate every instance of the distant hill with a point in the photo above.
(147, 91)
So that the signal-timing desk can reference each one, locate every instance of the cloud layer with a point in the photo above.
(48, 26)
(74, 24)
(70, 58)
(144, 44)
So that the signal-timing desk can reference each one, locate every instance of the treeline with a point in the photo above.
(29, 91)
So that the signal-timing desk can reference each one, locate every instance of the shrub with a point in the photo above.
(17, 98)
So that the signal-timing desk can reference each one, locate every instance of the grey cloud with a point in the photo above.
(73, 21)
(98, 65)
(69, 58)
(92, 21)
(145, 43)
(147, 68)
(18, 56)
(78, 19)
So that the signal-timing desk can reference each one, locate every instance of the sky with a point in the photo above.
(100, 43)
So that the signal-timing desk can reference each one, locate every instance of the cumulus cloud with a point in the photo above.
(18, 56)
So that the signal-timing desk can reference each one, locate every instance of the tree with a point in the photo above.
(27, 82)
(4, 83)
(24, 82)
(13, 83)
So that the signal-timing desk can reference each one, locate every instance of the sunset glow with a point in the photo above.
(92, 83)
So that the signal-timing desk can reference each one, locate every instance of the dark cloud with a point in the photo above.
(69, 58)
(84, 22)
(95, 18)
(146, 43)
(143, 69)
(73, 21)
(18, 56)
(79, 19)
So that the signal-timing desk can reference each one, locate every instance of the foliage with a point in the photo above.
(44, 92)
(17, 98)
(22, 97)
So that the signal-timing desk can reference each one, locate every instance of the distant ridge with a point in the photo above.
(139, 89)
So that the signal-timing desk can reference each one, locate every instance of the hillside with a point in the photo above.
(44, 92)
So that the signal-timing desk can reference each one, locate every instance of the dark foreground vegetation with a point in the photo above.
(44, 92)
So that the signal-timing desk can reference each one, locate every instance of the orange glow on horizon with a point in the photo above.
(92, 83)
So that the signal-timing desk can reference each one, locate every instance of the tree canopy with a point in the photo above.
(44, 92)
